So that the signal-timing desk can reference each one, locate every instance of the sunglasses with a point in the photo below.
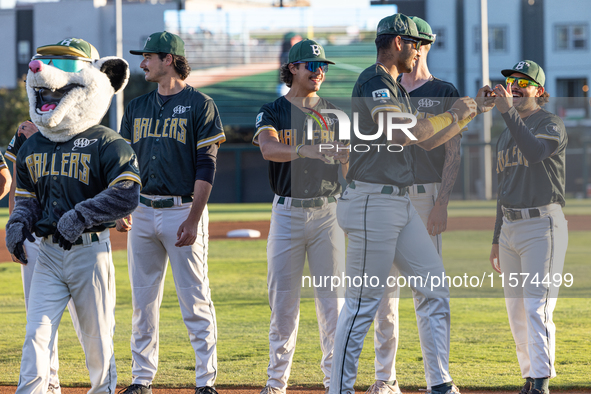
(521, 82)
(69, 64)
(416, 44)
(313, 66)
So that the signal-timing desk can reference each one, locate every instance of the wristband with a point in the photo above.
(298, 150)
(454, 115)
(441, 121)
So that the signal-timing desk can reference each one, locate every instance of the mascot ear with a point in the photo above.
(117, 71)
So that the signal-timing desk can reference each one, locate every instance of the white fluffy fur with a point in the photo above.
(81, 108)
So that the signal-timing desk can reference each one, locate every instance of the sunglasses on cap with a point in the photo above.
(313, 66)
(69, 64)
(416, 44)
(521, 82)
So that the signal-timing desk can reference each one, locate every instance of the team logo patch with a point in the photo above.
(427, 103)
(180, 109)
(12, 141)
(552, 128)
(380, 94)
(134, 164)
(83, 143)
(259, 119)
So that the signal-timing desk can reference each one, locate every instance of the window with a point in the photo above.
(571, 97)
(570, 37)
(497, 39)
(439, 39)
(24, 52)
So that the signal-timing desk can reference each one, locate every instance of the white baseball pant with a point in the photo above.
(536, 246)
(150, 244)
(84, 274)
(385, 229)
(32, 250)
(294, 234)
(386, 324)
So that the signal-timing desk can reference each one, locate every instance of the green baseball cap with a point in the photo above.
(398, 24)
(529, 68)
(162, 42)
(307, 51)
(70, 47)
(424, 29)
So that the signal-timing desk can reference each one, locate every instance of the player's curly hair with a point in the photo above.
(543, 99)
(180, 64)
(286, 75)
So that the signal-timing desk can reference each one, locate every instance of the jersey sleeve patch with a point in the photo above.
(259, 119)
(380, 94)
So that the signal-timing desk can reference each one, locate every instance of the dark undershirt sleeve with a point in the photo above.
(498, 223)
(533, 149)
(205, 163)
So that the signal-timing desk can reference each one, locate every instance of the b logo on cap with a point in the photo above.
(520, 65)
(66, 42)
(316, 49)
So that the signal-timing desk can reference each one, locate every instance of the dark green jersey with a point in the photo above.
(523, 184)
(60, 175)
(432, 98)
(166, 136)
(301, 178)
(13, 147)
(376, 91)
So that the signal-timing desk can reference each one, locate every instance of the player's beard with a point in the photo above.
(407, 59)
(524, 104)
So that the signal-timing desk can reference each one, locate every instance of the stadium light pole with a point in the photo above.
(117, 103)
(486, 156)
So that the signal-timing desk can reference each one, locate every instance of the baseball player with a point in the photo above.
(531, 233)
(303, 221)
(25, 130)
(376, 213)
(435, 174)
(74, 178)
(174, 127)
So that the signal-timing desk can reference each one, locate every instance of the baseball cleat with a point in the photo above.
(381, 387)
(452, 390)
(527, 387)
(272, 390)
(205, 390)
(54, 389)
(136, 389)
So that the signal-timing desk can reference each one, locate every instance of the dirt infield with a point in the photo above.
(218, 230)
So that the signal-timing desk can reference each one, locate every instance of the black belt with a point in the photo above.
(387, 189)
(311, 203)
(515, 214)
(163, 203)
(93, 238)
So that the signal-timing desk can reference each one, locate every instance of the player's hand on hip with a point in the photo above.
(27, 128)
(504, 98)
(464, 107)
(494, 258)
(437, 221)
(123, 225)
(187, 233)
(485, 99)
(316, 152)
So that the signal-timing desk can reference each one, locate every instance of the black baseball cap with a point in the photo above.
(529, 68)
(162, 42)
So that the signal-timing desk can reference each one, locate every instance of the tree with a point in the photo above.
(14, 109)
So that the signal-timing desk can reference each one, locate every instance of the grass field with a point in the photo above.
(482, 349)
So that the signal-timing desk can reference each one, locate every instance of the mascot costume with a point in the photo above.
(75, 178)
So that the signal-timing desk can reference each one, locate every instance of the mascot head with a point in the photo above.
(70, 87)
